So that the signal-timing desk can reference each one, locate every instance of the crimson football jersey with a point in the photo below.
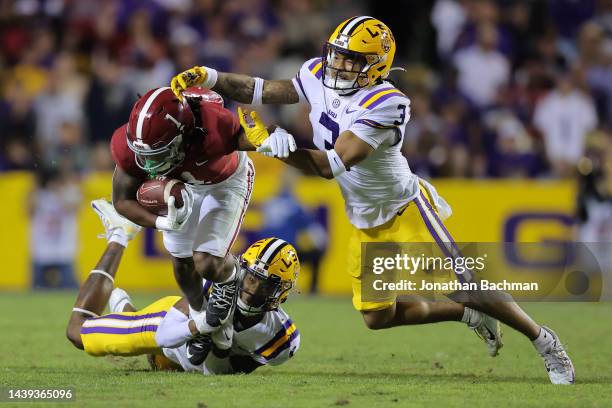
(209, 158)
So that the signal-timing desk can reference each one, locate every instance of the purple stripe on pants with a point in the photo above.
(119, 330)
(432, 231)
(124, 317)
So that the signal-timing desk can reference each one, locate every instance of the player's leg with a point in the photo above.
(223, 210)
(96, 290)
(388, 311)
(499, 305)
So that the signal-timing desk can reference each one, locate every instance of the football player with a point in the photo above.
(358, 120)
(198, 141)
(258, 333)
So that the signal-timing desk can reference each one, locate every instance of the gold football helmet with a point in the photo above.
(269, 270)
(358, 54)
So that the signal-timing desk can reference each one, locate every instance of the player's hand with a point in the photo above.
(279, 144)
(176, 218)
(255, 130)
(191, 77)
(185, 211)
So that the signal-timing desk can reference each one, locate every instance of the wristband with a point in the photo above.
(211, 78)
(337, 167)
(258, 91)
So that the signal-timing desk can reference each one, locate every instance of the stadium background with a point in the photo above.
(480, 75)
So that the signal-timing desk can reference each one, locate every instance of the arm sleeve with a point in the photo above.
(383, 124)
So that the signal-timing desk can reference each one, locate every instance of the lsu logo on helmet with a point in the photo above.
(368, 43)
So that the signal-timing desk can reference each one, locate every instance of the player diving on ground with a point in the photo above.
(258, 333)
(359, 119)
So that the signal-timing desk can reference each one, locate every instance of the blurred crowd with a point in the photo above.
(503, 88)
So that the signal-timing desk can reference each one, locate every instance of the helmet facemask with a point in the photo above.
(160, 161)
(345, 81)
(257, 292)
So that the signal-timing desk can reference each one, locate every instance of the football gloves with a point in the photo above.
(279, 144)
(191, 77)
(177, 217)
(255, 130)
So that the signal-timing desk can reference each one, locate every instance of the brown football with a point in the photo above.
(154, 194)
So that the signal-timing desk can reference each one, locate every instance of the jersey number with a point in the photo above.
(333, 127)
(402, 115)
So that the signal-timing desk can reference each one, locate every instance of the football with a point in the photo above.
(154, 194)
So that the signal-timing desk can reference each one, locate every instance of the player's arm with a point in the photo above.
(125, 187)
(348, 151)
(241, 88)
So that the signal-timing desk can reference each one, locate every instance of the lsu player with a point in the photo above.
(259, 333)
(358, 120)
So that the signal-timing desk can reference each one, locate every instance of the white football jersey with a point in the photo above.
(272, 341)
(376, 188)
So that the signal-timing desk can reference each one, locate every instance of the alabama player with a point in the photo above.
(201, 143)
(358, 120)
(258, 333)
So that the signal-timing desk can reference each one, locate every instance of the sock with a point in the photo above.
(543, 341)
(231, 277)
(471, 317)
(119, 236)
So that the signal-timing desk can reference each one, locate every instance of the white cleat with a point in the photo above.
(112, 220)
(489, 330)
(558, 364)
(118, 299)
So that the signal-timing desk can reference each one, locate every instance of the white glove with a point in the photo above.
(175, 220)
(279, 144)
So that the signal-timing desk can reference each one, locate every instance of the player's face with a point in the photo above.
(341, 63)
(255, 290)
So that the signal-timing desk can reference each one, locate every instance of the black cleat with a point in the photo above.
(198, 348)
(221, 303)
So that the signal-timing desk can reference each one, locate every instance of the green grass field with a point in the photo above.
(340, 363)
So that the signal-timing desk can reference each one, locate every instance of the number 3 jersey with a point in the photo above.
(377, 187)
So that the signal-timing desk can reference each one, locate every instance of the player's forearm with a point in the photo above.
(134, 212)
(242, 87)
(311, 162)
(235, 86)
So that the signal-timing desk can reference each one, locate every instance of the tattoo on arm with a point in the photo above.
(241, 88)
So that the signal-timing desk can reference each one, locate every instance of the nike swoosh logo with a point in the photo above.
(201, 163)
(350, 111)
(189, 355)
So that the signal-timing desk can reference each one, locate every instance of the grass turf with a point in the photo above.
(340, 363)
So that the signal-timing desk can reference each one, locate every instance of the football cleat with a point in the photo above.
(198, 348)
(221, 303)
(112, 220)
(489, 330)
(558, 364)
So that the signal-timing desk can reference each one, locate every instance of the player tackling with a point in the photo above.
(359, 119)
(199, 142)
(258, 332)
